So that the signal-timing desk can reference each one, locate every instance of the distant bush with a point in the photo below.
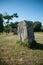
(37, 26)
(14, 27)
(41, 29)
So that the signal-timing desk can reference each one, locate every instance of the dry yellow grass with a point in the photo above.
(12, 53)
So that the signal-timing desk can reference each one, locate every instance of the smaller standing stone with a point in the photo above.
(25, 31)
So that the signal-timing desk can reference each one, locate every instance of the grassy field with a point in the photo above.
(12, 53)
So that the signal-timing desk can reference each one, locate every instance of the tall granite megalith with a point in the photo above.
(25, 31)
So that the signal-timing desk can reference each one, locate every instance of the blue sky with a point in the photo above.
(26, 9)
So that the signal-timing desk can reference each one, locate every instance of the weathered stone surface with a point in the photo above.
(25, 31)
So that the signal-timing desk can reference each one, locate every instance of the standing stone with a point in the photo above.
(25, 31)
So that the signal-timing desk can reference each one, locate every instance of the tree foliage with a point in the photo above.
(9, 17)
(1, 23)
(14, 25)
(37, 26)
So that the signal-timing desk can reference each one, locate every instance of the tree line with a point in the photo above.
(7, 27)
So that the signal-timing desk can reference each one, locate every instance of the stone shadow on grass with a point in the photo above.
(36, 45)
(2, 62)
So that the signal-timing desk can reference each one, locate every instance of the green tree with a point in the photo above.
(37, 26)
(9, 17)
(7, 29)
(1, 23)
(42, 28)
(14, 25)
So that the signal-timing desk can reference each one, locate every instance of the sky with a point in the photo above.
(31, 10)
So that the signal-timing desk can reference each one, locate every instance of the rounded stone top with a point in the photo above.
(26, 21)
(29, 23)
